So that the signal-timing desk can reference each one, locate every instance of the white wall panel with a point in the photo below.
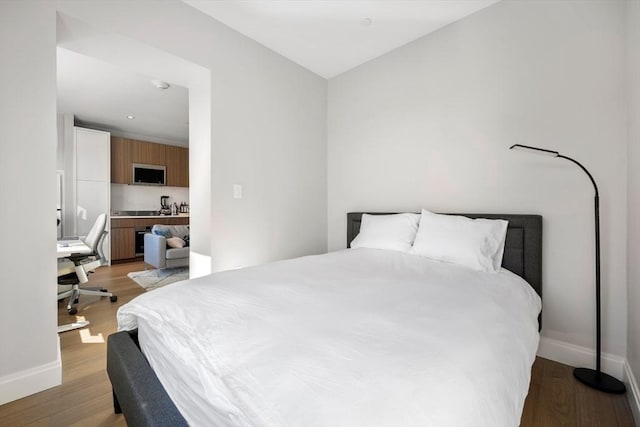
(633, 242)
(267, 128)
(429, 125)
(93, 200)
(93, 153)
(28, 340)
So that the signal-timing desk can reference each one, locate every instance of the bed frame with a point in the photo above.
(138, 393)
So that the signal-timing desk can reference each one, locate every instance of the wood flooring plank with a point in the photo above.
(531, 412)
(557, 387)
(549, 402)
(557, 399)
(623, 412)
(598, 409)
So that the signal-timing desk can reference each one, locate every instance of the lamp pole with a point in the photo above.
(593, 378)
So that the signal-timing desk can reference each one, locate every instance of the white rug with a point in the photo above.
(152, 279)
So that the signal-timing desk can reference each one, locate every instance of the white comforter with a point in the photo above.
(360, 337)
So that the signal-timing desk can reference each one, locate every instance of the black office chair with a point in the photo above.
(74, 269)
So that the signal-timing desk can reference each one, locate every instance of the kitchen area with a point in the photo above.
(123, 150)
(149, 186)
(137, 183)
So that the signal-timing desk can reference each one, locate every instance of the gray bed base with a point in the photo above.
(138, 393)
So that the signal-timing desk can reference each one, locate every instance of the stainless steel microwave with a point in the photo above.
(149, 174)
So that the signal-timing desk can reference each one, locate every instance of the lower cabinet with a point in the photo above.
(123, 234)
(123, 243)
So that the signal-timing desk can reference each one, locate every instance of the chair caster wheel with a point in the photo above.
(72, 311)
(113, 298)
(103, 290)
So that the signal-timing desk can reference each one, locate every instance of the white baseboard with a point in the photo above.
(633, 392)
(29, 381)
(578, 356)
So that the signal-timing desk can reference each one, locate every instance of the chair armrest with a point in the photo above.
(155, 250)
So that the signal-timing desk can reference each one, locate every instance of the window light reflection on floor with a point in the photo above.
(85, 334)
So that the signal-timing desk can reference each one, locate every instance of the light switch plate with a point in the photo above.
(237, 191)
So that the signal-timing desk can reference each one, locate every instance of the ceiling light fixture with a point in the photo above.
(366, 22)
(160, 84)
(131, 117)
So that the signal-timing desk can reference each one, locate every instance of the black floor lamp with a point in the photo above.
(593, 378)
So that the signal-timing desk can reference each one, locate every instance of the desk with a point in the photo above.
(68, 247)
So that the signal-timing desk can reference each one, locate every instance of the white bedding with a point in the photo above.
(359, 337)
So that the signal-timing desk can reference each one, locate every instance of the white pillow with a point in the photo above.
(175, 242)
(394, 232)
(474, 243)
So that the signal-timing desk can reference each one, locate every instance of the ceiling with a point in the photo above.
(330, 37)
(327, 37)
(101, 95)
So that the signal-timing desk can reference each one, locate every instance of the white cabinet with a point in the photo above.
(93, 150)
(91, 203)
(93, 178)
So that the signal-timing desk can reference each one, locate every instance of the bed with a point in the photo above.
(336, 339)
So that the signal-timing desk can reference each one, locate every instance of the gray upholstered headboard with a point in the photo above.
(522, 249)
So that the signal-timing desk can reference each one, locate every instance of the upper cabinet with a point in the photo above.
(120, 161)
(125, 152)
(147, 153)
(177, 166)
(92, 154)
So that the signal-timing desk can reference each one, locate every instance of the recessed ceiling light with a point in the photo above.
(130, 117)
(366, 22)
(160, 84)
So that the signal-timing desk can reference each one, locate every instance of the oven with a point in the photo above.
(140, 232)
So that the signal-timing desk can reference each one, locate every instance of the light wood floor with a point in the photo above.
(84, 398)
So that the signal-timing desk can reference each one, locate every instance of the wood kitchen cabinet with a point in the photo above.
(125, 152)
(147, 153)
(177, 159)
(121, 168)
(123, 243)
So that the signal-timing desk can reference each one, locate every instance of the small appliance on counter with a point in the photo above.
(165, 209)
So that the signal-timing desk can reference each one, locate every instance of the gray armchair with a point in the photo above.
(156, 252)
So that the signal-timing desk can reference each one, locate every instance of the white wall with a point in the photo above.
(264, 127)
(633, 239)
(28, 340)
(429, 125)
(268, 130)
(145, 197)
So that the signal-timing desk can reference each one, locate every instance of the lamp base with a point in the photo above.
(599, 380)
